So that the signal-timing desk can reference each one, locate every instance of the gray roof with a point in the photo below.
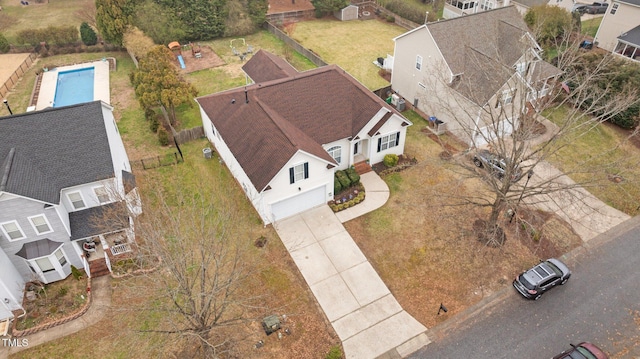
(40, 248)
(531, 3)
(482, 48)
(93, 221)
(632, 36)
(632, 2)
(42, 152)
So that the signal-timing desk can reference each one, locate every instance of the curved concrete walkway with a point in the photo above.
(100, 303)
(361, 309)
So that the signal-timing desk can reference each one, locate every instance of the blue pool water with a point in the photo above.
(74, 86)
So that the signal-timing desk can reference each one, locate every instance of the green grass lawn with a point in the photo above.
(15, 17)
(353, 45)
(590, 27)
(594, 156)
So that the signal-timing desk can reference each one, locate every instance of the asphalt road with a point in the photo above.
(599, 304)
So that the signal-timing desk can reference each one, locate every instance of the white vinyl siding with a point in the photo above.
(40, 224)
(12, 231)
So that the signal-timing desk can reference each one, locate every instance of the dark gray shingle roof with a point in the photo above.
(632, 36)
(45, 151)
(93, 221)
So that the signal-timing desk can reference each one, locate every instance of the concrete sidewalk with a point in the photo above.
(362, 310)
(100, 303)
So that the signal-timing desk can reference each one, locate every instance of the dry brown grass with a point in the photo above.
(424, 247)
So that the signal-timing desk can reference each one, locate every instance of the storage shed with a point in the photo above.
(348, 13)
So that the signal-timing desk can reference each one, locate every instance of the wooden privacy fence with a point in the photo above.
(17, 74)
(295, 45)
(187, 135)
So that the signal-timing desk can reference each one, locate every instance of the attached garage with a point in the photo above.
(488, 133)
(298, 203)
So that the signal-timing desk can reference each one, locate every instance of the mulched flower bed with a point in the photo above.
(404, 162)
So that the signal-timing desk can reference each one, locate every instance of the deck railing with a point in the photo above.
(120, 248)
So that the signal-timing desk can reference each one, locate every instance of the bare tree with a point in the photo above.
(87, 13)
(204, 271)
(506, 113)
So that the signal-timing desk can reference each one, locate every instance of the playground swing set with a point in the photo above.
(176, 48)
(241, 54)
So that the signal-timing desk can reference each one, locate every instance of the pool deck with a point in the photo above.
(50, 78)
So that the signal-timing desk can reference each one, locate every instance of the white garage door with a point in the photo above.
(299, 203)
(488, 133)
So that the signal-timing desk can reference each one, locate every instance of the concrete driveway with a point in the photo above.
(361, 309)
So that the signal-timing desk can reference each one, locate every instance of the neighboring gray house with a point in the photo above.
(619, 31)
(61, 170)
(477, 73)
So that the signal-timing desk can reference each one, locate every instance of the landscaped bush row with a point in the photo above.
(340, 205)
(345, 179)
(60, 35)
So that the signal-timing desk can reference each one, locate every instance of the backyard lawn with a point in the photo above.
(15, 17)
(353, 45)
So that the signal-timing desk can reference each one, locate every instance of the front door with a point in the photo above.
(356, 148)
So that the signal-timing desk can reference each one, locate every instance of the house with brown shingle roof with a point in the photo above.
(477, 73)
(284, 136)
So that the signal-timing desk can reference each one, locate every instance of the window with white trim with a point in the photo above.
(61, 258)
(299, 172)
(336, 153)
(418, 62)
(102, 194)
(45, 265)
(388, 141)
(486, 5)
(76, 200)
(12, 231)
(521, 67)
(40, 224)
(505, 98)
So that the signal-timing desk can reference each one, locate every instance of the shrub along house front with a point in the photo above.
(284, 136)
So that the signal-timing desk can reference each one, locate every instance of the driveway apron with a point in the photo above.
(362, 310)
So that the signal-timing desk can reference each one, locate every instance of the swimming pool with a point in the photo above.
(74, 86)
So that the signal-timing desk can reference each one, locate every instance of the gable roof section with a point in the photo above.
(298, 113)
(43, 152)
(632, 36)
(531, 3)
(482, 48)
(264, 66)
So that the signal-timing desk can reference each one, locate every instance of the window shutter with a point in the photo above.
(379, 143)
(292, 177)
(306, 170)
(397, 138)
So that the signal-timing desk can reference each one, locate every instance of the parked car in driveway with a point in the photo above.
(583, 350)
(495, 164)
(533, 282)
(579, 8)
(597, 8)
